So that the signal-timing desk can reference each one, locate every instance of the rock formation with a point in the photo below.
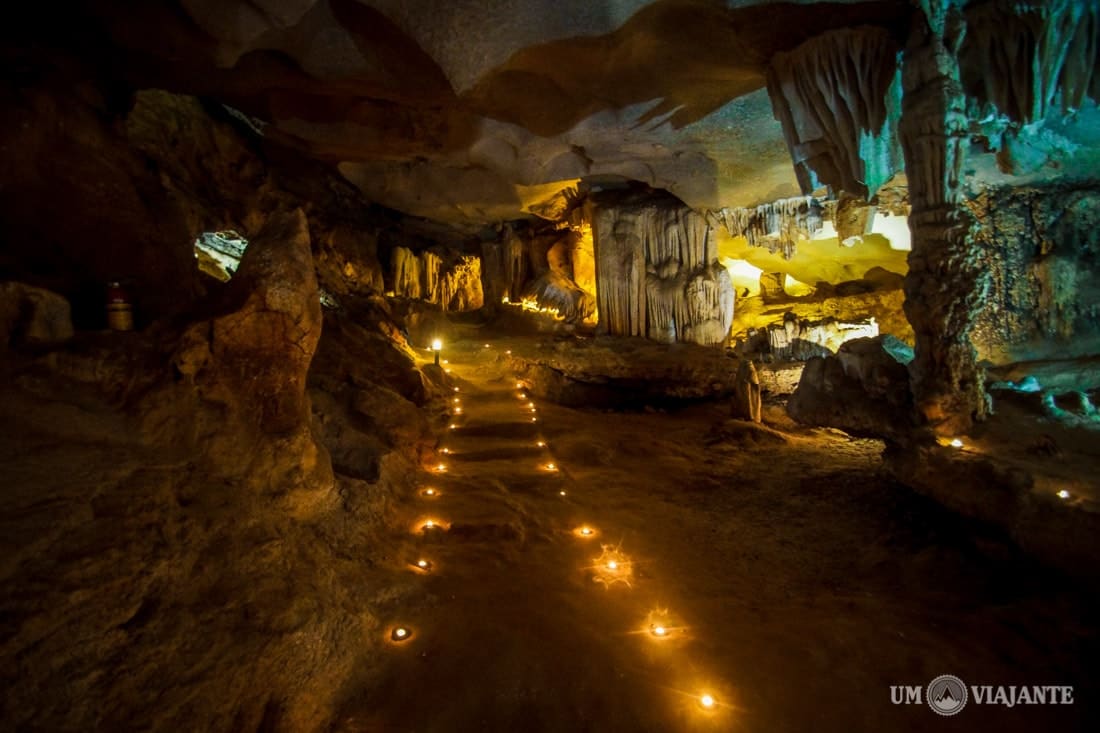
(657, 272)
(777, 225)
(836, 96)
(251, 361)
(30, 315)
(863, 390)
(746, 393)
(448, 279)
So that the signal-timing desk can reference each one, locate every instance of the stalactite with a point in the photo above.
(406, 273)
(1031, 58)
(835, 96)
(777, 226)
(452, 282)
(658, 275)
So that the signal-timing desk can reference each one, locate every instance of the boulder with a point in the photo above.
(30, 315)
(863, 390)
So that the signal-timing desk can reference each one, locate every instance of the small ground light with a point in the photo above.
(956, 443)
(519, 385)
(534, 419)
(551, 467)
(437, 346)
(707, 702)
(658, 630)
(453, 426)
(444, 450)
(456, 400)
(456, 389)
(1063, 494)
(541, 444)
(430, 492)
(400, 634)
(586, 531)
(441, 468)
(486, 345)
(424, 566)
(561, 493)
(508, 352)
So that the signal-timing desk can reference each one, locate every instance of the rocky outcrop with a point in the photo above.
(657, 272)
(863, 390)
(32, 316)
(250, 360)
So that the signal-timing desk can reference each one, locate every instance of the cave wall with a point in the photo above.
(1042, 248)
(657, 271)
(133, 177)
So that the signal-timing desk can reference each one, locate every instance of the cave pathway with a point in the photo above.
(740, 581)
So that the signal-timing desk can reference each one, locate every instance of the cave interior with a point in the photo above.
(669, 365)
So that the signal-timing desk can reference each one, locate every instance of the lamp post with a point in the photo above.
(437, 346)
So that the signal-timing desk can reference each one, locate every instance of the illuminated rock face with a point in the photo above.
(450, 280)
(658, 274)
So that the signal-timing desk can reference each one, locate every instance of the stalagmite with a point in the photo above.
(747, 403)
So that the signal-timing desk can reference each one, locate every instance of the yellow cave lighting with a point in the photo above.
(551, 467)
(453, 426)
(485, 345)
(540, 443)
(612, 566)
(456, 389)
(429, 492)
(440, 468)
(1063, 494)
(956, 443)
(437, 346)
(424, 566)
(707, 701)
(456, 400)
(586, 532)
(400, 634)
(430, 524)
(561, 493)
(658, 631)
(446, 451)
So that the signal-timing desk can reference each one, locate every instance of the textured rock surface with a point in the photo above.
(863, 390)
(657, 272)
(833, 96)
(30, 315)
(746, 393)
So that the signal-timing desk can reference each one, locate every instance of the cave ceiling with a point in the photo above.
(474, 111)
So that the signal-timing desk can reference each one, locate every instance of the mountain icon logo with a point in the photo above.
(946, 694)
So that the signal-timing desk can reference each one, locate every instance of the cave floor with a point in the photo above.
(797, 583)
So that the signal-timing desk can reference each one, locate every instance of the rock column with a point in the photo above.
(946, 280)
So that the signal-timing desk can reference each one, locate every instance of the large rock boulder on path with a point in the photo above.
(863, 390)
